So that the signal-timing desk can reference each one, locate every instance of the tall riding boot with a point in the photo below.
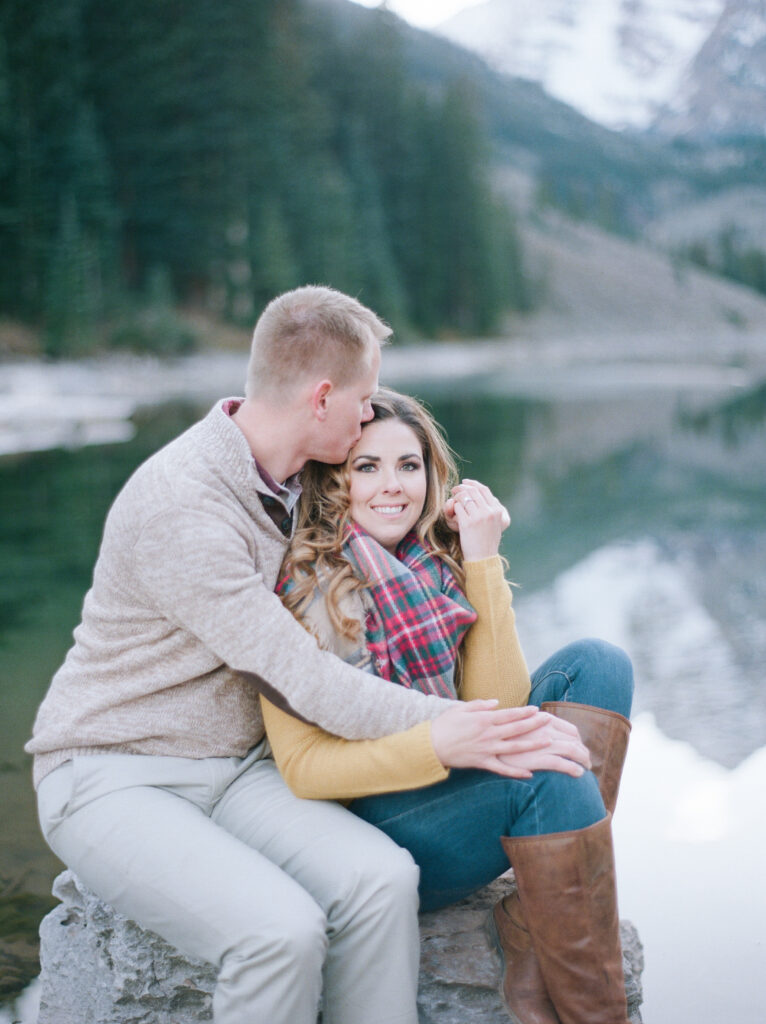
(568, 894)
(524, 991)
(605, 734)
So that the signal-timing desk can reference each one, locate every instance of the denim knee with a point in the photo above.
(559, 803)
(612, 666)
(589, 671)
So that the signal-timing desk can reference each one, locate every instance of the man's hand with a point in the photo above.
(513, 741)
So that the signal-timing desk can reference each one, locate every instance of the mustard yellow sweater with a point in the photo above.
(318, 765)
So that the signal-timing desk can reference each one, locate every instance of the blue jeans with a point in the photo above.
(453, 828)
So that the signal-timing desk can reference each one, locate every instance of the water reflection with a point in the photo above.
(689, 839)
(25, 1008)
(639, 514)
(646, 597)
(732, 420)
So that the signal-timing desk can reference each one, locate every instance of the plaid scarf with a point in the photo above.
(418, 616)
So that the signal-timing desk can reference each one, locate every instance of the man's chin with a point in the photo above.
(350, 448)
(332, 460)
(338, 458)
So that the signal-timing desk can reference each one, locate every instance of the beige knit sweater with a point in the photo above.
(181, 628)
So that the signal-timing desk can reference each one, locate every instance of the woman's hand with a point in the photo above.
(512, 741)
(478, 516)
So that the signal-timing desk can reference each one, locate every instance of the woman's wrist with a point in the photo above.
(478, 562)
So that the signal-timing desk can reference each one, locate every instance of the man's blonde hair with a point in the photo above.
(312, 330)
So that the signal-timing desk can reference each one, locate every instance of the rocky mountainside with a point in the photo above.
(693, 196)
(723, 91)
(629, 298)
(694, 67)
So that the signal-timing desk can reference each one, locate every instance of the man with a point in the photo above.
(154, 780)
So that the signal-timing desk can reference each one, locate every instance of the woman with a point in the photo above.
(398, 572)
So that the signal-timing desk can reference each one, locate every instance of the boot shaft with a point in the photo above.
(605, 734)
(567, 891)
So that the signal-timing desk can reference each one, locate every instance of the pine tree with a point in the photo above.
(60, 197)
(245, 146)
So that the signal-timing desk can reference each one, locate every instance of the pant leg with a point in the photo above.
(364, 883)
(586, 672)
(453, 829)
(157, 857)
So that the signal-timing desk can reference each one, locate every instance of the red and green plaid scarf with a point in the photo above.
(419, 615)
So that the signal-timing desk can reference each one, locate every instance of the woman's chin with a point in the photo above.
(388, 539)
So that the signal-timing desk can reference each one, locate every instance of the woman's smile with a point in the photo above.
(388, 484)
(389, 510)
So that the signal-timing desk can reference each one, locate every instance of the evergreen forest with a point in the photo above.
(212, 153)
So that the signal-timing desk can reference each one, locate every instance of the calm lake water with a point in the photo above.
(638, 497)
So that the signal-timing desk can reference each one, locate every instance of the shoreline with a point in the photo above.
(73, 403)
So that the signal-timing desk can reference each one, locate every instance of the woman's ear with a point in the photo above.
(320, 398)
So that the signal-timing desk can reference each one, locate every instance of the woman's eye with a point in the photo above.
(411, 466)
(366, 467)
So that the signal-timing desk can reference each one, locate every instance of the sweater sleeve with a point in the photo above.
(494, 665)
(319, 766)
(197, 573)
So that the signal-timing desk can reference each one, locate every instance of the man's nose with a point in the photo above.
(367, 412)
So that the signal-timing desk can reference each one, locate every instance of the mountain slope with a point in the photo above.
(549, 155)
(616, 61)
(723, 91)
(627, 297)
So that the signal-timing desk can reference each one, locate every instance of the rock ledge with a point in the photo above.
(98, 967)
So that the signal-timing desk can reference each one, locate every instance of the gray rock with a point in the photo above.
(98, 967)
(461, 973)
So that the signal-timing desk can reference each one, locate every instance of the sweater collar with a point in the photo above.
(287, 493)
(230, 453)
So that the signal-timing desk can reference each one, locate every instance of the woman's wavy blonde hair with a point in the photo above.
(316, 551)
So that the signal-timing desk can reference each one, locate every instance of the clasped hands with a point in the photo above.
(510, 741)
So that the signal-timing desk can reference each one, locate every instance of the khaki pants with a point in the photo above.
(289, 898)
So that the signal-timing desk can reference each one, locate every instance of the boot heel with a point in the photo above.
(524, 993)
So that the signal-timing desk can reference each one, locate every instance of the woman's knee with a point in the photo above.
(615, 669)
(603, 675)
(560, 803)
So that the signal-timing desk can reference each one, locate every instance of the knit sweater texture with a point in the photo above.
(181, 630)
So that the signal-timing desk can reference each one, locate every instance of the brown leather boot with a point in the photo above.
(568, 894)
(605, 734)
(524, 991)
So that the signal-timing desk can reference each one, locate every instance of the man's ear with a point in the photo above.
(320, 398)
